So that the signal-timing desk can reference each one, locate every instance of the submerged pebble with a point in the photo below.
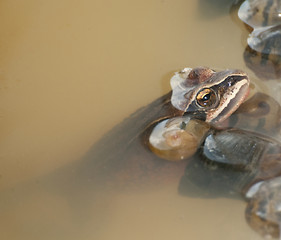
(263, 211)
(265, 19)
(177, 138)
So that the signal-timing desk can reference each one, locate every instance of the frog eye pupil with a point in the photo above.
(206, 97)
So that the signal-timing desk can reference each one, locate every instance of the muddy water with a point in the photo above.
(70, 71)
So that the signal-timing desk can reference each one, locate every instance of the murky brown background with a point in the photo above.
(70, 71)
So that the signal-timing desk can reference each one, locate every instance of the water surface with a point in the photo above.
(70, 71)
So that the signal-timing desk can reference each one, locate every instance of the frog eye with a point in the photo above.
(206, 98)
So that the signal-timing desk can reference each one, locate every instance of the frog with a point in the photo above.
(209, 95)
